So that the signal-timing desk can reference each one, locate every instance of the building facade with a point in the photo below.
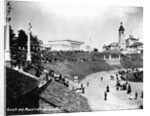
(130, 45)
(65, 45)
(135, 48)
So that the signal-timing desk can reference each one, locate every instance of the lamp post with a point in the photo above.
(29, 43)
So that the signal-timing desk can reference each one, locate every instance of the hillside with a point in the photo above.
(61, 97)
(97, 64)
(132, 61)
(80, 69)
(24, 97)
(18, 84)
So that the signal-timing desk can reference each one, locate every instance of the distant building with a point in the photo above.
(136, 47)
(112, 46)
(131, 40)
(65, 45)
(112, 57)
(130, 45)
(46, 47)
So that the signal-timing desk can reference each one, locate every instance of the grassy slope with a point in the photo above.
(63, 98)
(18, 84)
(80, 69)
(132, 61)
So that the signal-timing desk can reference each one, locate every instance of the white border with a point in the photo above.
(146, 55)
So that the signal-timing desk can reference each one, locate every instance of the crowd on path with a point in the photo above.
(116, 79)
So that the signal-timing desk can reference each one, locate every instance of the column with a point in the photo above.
(29, 47)
(7, 42)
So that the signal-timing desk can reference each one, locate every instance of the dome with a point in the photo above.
(136, 44)
(121, 28)
(114, 44)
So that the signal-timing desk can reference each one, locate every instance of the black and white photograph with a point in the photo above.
(63, 57)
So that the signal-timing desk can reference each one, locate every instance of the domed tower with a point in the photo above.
(122, 44)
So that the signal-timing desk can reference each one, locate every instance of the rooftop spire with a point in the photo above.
(121, 28)
(121, 23)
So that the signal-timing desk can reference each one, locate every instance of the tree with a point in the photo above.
(22, 39)
(12, 39)
(95, 50)
(20, 55)
(35, 43)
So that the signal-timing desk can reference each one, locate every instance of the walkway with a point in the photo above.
(116, 99)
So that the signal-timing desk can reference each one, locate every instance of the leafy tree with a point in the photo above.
(22, 39)
(95, 50)
(19, 51)
(12, 38)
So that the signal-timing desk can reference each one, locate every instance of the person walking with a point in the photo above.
(142, 94)
(101, 79)
(105, 95)
(81, 85)
(129, 89)
(87, 84)
(83, 90)
(136, 95)
(107, 88)
(117, 88)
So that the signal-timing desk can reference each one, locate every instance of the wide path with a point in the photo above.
(115, 99)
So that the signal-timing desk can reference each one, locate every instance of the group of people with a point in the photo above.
(120, 86)
(59, 78)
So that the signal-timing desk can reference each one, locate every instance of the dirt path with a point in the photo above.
(115, 99)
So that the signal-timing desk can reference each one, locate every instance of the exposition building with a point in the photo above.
(67, 45)
(125, 45)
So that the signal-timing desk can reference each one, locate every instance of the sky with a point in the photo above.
(93, 24)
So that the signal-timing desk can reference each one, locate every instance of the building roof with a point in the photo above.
(121, 28)
(68, 40)
(136, 44)
(131, 38)
(113, 44)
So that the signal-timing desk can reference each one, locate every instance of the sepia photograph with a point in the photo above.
(63, 57)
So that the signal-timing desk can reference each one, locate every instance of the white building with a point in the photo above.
(136, 47)
(65, 45)
(112, 46)
(130, 45)
(131, 40)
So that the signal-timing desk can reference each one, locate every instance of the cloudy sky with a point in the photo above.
(89, 23)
